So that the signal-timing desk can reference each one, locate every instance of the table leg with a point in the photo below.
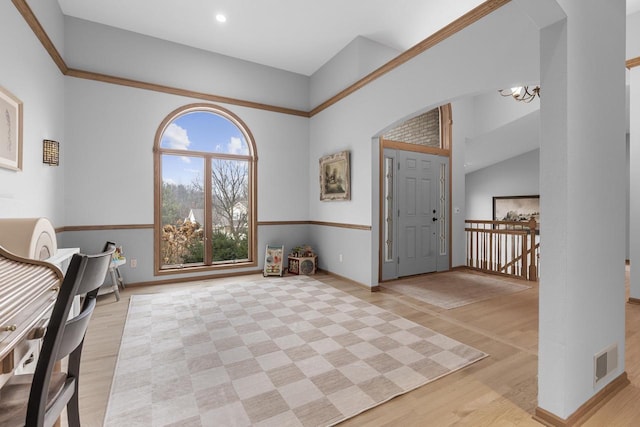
(114, 281)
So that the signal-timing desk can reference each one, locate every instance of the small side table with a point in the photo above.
(116, 278)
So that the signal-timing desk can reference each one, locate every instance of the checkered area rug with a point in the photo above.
(275, 352)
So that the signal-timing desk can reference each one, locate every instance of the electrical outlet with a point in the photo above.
(134, 263)
(340, 257)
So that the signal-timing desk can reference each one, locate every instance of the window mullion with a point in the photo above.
(208, 212)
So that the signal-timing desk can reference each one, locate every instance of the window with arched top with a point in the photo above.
(205, 192)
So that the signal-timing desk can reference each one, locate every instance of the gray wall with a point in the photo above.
(95, 47)
(519, 176)
(435, 77)
(28, 72)
(138, 244)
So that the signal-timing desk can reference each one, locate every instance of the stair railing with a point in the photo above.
(503, 247)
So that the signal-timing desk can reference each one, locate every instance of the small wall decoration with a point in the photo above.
(335, 181)
(516, 208)
(10, 131)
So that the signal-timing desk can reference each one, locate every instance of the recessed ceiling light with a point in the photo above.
(221, 18)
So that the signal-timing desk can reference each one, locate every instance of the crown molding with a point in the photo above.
(105, 78)
(40, 33)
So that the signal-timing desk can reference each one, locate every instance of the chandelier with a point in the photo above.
(521, 93)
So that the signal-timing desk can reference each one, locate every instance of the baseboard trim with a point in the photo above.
(587, 409)
(374, 288)
(194, 278)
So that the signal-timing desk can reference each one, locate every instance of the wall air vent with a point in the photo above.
(605, 362)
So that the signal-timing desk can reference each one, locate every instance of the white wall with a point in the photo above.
(633, 36)
(582, 279)
(28, 72)
(519, 176)
(633, 51)
(433, 78)
(100, 48)
(493, 111)
(634, 182)
(111, 130)
(357, 59)
(463, 114)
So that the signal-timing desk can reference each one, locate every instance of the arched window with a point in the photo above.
(205, 192)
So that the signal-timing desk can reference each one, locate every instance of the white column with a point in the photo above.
(634, 185)
(582, 194)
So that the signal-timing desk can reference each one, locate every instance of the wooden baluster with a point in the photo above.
(484, 250)
(491, 264)
(503, 239)
(468, 242)
(513, 254)
(532, 265)
(524, 270)
(471, 255)
(477, 250)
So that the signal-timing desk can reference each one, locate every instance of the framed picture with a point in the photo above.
(10, 131)
(516, 208)
(335, 181)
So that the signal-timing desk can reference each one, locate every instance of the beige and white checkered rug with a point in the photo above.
(275, 352)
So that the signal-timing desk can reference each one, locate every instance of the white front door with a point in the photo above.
(415, 201)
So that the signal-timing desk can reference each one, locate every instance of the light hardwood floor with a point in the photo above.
(499, 390)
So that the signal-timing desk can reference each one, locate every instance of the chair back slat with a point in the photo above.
(96, 270)
(75, 330)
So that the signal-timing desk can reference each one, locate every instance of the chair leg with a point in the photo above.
(73, 410)
(73, 368)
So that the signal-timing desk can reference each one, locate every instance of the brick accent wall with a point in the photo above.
(421, 130)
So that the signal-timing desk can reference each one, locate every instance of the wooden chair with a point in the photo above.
(39, 399)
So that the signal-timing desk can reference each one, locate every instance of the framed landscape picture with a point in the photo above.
(10, 131)
(335, 181)
(516, 208)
